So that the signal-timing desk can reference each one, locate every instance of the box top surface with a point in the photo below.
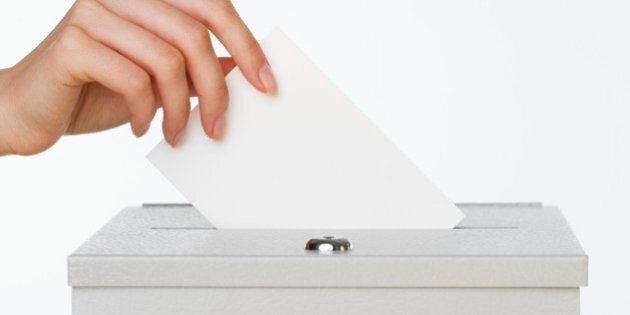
(496, 245)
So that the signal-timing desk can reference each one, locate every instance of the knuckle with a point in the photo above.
(67, 46)
(251, 47)
(137, 84)
(82, 8)
(71, 39)
(218, 9)
(220, 4)
(196, 35)
(173, 64)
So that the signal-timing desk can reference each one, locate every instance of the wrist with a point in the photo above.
(5, 133)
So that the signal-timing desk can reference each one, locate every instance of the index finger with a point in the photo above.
(223, 20)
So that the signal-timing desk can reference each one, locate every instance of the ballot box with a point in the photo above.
(168, 259)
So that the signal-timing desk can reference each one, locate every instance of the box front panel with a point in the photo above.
(451, 301)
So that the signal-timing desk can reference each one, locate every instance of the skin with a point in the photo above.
(109, 62)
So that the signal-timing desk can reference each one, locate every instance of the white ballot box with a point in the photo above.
(168, 259)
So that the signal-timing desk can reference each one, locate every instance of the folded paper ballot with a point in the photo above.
(306, 158)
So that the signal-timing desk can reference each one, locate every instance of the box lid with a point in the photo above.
(496, 245)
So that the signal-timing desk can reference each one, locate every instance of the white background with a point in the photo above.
(494, 100)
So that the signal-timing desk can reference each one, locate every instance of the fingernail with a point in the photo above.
(219, 127)
(268, 80)
(179, 137)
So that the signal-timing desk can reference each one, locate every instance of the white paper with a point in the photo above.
(307, 158)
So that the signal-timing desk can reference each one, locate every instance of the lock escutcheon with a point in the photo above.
(328, 244)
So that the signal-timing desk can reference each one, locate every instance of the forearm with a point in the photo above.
(5, 117)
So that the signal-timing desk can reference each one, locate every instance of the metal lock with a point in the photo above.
(328, 244)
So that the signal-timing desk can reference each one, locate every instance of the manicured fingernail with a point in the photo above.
(268, 80)
(219, 127)
(179, 137)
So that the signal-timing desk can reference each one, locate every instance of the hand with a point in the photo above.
(109, 62)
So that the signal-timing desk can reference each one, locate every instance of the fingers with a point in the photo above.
(169, 40)
(227, 65)
(192, 39)
(79, 59)
(159, 59)
(223, 20)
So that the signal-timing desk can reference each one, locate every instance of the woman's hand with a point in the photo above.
(109, 62)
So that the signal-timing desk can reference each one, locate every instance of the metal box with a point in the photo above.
(168, 259)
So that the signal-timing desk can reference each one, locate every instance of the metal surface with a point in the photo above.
(505, 245)
(168, 260)
(315, 301)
